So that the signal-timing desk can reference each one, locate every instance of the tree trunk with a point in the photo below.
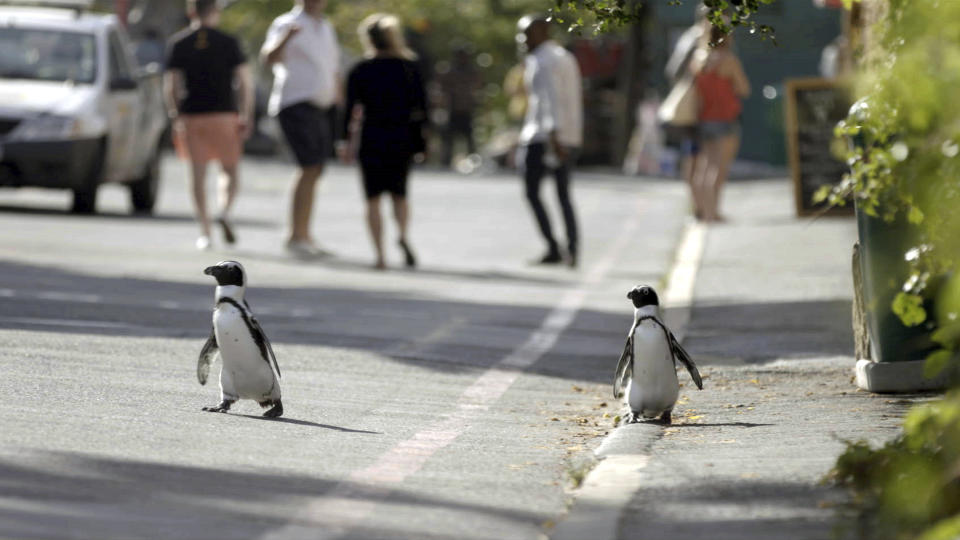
(630, 83)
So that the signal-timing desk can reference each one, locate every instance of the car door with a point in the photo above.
(122, 111)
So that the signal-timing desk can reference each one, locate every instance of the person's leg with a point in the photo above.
(301, 205)
(533, 175)
(707, 180)
(305, 128)
(198, 185)
(375, 227)
(562, 175)
(227, 188)
(730, 145)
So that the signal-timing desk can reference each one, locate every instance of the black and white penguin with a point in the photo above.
(647, 366)
(249, 369)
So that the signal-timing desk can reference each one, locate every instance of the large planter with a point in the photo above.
(897, 352)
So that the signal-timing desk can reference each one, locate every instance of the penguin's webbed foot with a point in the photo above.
(223, 407)
(276, 411)
(665, 418)
(632, 418)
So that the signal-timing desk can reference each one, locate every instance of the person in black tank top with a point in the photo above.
(385, 94)
(209, 95)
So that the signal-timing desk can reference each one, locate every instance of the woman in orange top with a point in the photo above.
(722, 85)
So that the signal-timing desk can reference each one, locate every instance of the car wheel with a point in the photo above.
(85, 196)
(143, 191)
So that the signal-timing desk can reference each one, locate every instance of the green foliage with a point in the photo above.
(911, 486)
(604, 15)
(904, 134)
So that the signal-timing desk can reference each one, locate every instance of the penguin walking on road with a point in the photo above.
(249, 369)
(647, 366)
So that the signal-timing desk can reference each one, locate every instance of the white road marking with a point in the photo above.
(610, 486)
(70, 297)
(349, 502)
(67, 323)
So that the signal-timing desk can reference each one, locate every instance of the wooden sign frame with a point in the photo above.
(791, 87)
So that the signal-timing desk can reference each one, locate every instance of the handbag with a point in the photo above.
(681, 107)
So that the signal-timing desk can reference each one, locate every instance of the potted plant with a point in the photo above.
(905, 182)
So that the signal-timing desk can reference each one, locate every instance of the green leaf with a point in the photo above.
(821, 194)
(915, 216)
(909, 307)
(946, 529)
(948, 336)
(936, 363)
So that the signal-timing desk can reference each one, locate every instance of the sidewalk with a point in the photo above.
(770, 328)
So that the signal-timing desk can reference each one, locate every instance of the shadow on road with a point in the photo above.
(443, 335)
(294, 421)
(756, 333)
(73, 495)
(127, 216)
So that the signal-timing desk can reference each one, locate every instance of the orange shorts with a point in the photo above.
(209, 136)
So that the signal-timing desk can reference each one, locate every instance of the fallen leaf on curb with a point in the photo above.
(606, 415)
(576, 448)
(576, 388)
(749, 475)
(695, 417)
(754, 381)
(548, 524)
(554, 419)
(728, 441)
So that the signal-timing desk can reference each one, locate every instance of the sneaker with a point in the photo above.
(305, 249)
(203, 243)
(572, 259)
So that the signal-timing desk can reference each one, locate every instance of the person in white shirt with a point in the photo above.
(552, 129)
(301, 46)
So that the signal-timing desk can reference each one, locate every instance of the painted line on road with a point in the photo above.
(68, 323)
(349, 502)
(608, 488)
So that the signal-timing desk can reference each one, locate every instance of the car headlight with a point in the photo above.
(47, 127)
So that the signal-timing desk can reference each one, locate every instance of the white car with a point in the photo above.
(75, 110)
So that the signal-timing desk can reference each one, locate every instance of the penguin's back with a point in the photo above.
(654, 387)
(243, 363)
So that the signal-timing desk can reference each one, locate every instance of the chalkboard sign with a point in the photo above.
(814, 106)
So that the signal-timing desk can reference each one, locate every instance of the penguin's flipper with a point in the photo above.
(260, 337)
(623, 367)
(683, 357)
(207, 355)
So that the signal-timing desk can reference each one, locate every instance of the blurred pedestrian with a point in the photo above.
(678, 68)
(386, 96)
(209, 95)
(552, 130)
(721, 85)
(301, 46)
(460, 86)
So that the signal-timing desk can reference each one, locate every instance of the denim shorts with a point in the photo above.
(714, 130)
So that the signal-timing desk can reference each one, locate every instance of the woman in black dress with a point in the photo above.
(386, 102)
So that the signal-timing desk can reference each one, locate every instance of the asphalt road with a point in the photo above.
(455, 401)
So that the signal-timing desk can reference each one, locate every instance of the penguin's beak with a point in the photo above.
(210, 270)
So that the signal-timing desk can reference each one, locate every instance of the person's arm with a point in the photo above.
(351, 120)
(277, 39)
(741, 85)
(244, 80)
(172, 82)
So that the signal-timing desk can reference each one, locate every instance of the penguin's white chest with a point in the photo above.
(245, 372)
(654, 387)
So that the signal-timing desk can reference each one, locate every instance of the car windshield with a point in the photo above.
(47, 55)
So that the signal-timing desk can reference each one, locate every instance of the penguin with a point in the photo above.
(249, 369)
(647, 366)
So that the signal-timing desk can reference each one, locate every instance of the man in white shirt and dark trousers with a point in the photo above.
(301, 46)
(552, 130)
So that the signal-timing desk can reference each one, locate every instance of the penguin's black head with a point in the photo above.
(227, 273)
(643, 295)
